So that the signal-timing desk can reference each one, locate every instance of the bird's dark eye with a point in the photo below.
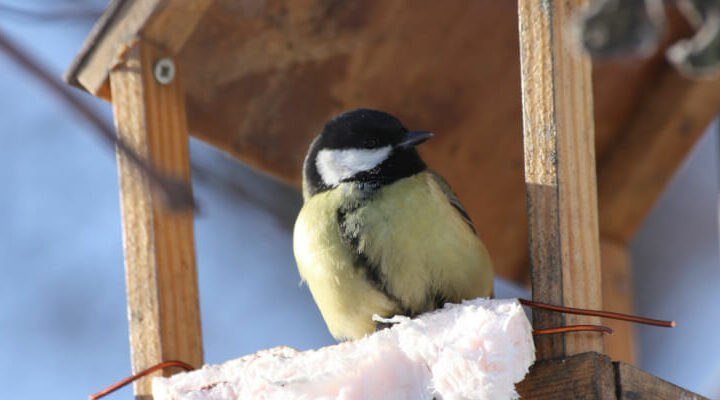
(370, 143)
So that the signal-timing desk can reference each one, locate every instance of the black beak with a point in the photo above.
(414, 139)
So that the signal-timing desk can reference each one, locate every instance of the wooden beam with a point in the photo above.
(593, 376)
(617, 294)
(559, 174)
(636, 384)
(634, 173)
(163, 305)
(165, 23)
(582, 376)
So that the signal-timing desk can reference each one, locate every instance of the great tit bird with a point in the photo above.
(380, 232)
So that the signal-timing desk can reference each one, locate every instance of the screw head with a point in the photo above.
(164, 71)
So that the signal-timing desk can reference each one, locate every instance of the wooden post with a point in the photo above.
(559, 173)
(162, 287)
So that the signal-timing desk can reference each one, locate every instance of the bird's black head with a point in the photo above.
(366, 146)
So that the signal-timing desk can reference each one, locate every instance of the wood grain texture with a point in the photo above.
(166, 23)
(583, 376)
(636, 384)
(593, 376)
(163, 305)
(559, 174)
(617, 294)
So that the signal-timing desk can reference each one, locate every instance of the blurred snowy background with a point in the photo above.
(63, 325)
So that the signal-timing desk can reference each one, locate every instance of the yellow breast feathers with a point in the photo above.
(404, 249)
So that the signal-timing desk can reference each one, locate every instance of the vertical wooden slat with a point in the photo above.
(559, 173)
(617, 294)
(163, 305)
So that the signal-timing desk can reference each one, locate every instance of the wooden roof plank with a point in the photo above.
(633, 174)
(167, 24)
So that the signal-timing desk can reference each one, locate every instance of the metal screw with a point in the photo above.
(164, 71)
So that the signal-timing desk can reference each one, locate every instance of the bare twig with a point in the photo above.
(50, 15)
(178, 194)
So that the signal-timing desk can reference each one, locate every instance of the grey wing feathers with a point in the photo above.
(452, 197)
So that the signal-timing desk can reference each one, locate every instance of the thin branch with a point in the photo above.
(177, 193)
(50, 15)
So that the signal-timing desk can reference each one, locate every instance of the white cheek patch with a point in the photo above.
(336, 165)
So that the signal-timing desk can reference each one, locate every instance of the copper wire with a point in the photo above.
(130, 379)
(529, 303)
(595, 313)
(573, 328)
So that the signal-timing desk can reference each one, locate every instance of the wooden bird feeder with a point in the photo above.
(258, 80)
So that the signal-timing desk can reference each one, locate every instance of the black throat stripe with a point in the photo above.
(373, 272)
